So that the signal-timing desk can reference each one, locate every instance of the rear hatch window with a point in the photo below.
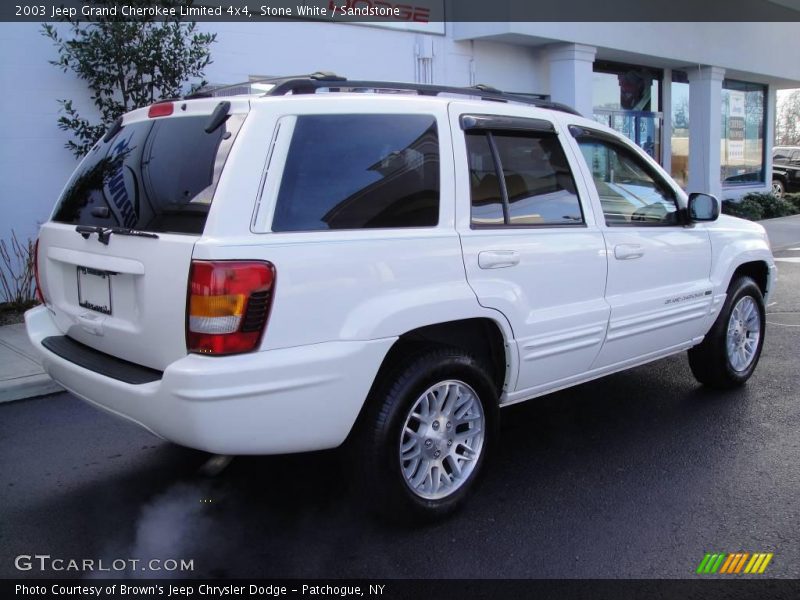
(157, 175)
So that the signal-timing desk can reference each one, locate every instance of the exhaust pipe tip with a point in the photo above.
(215, 465)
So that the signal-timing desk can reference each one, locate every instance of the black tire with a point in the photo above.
(778, 188)
(709, 360)
(382, 483)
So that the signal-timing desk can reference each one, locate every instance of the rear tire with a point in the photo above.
(730, 351)
(427, 433)
(778, 188)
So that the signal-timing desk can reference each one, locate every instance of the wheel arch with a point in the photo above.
(735, 252)
(488, 339)
(757, 270)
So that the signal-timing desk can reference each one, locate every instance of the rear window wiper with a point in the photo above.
(133, 232)
(104, 233)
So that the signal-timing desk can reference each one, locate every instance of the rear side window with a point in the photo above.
(360, 171)
(155, 175)
(520, 178)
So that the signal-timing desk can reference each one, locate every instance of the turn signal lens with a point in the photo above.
(228, 305)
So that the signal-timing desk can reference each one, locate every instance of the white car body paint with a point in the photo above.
(572, 304)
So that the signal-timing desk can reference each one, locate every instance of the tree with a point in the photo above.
(787, 122)
(126, 65)
(681, 118)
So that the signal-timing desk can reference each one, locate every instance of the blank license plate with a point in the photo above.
(94, 290)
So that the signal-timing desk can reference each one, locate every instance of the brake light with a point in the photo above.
(161, 109)
(228, 305)
(39, 293)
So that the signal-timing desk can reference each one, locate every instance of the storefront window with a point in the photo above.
(742, 147)
(680, 128)
(627, 98)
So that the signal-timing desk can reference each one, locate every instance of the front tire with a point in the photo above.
(427, 435)
(729, 353)
(778, 188)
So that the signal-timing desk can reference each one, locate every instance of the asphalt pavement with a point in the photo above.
(636, 475)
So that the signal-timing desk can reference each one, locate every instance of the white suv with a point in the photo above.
(387, 264)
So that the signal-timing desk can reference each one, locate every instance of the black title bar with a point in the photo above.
(409, 11)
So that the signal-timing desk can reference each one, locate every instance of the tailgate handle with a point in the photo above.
(91, 323)
(498, 259)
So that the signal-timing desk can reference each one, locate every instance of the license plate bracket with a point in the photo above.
(94, 289)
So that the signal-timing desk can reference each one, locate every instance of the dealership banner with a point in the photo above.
(416, 15)
(736, 126)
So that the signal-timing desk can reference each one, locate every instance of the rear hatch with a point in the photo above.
(114, 259)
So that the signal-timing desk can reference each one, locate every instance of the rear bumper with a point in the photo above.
(278, 401)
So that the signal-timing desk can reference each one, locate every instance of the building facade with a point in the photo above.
(699, 97)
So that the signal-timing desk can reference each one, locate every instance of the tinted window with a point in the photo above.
(154, 175)
(487, 200)
(630, 192)
(360, 171)
(539, 189)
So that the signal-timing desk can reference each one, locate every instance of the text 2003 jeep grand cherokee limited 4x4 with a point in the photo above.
(282, 272)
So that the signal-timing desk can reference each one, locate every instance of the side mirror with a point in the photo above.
(702, 207)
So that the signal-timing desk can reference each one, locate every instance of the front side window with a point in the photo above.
(359, 172)
(520, 178)
(630, 192)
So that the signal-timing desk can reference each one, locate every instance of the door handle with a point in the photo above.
(497, 259)
(628, 251)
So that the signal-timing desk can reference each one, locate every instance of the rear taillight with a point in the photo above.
(161, 109)
(228, 305)
(39, 292)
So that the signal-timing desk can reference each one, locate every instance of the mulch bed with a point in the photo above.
(12, 313)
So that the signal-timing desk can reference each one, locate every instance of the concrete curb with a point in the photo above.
(30, 386)
(21, 374)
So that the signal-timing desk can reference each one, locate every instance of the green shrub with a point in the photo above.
(774, 206)
(794, 200)
(756, 206)
(745, 209)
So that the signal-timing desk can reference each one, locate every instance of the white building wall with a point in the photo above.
(34, 165)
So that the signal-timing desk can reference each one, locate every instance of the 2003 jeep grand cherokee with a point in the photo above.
(283, 271)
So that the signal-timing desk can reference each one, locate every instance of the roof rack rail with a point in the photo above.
(309, 84)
